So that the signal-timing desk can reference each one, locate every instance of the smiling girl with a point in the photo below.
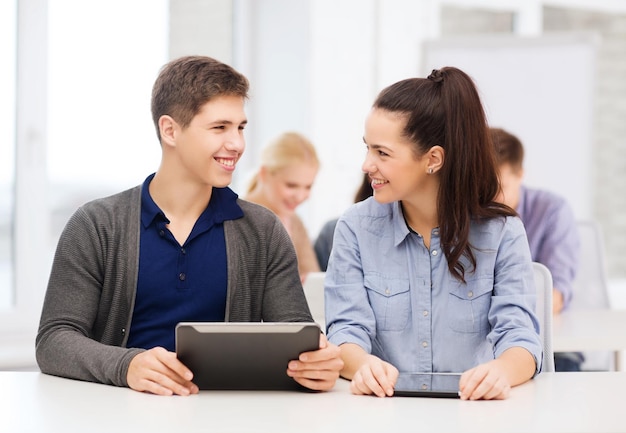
(432, 274)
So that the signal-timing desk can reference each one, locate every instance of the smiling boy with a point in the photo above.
(180, 247)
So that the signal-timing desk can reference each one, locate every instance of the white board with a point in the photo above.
(540, 89)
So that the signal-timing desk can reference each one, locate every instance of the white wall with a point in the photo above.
(342, 64)
(344, 52)
(321, 64)
(271, 49)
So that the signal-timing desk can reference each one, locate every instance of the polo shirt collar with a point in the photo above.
(222, 206)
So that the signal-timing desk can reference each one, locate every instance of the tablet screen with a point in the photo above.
(428, 385)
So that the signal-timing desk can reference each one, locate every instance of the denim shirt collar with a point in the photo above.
(400, 228)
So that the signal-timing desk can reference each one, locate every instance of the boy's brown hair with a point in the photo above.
(509, 148)
(185, 84)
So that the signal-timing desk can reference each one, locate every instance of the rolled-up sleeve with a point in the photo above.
(512, 314)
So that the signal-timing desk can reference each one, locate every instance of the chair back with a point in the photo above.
(591, 288)
(314, 292)
(543, 284)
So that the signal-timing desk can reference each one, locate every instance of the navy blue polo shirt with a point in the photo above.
(180, 282)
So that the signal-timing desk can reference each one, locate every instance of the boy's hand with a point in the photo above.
(317, 370)
(160, 372)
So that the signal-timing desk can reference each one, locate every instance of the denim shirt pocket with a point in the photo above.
(390, 298)
(469, 304)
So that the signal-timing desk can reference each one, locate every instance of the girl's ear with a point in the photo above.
(435, 158)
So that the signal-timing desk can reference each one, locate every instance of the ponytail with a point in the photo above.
(445, 110)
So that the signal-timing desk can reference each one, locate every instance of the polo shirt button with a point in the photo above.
(434, 253)
(161, 233)
(123, 331)
(182, 276)
(425, 344)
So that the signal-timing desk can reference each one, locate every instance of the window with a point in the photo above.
(98, 136)
(100, 133)
(7, 150)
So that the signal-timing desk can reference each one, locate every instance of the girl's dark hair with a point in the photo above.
(365, 189)
(445, 110)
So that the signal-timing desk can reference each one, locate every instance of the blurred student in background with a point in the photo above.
(324, 241)
(432, 274)
(550, 227)
(283, 182)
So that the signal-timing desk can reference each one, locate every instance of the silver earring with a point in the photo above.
(430, 170)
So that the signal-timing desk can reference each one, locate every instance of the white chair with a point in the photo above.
(543, 284)
(314, 292)
(591, 289)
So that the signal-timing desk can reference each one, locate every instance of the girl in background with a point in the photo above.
(288, 169)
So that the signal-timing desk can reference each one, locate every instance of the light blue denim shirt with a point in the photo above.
(388, 293)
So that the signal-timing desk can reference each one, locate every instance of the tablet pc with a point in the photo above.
(244, 356)
(444, 385)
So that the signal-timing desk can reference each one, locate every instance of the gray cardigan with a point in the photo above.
(89, 301)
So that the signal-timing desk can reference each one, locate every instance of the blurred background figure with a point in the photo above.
(284, 180)
(550, 226)
(324, 241)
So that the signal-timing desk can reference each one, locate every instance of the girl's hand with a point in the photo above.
(374, 377)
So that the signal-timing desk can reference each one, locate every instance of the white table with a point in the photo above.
(554, 402)
(589, 330)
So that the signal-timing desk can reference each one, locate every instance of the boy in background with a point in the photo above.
(550, 227)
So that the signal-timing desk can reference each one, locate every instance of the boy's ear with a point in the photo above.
(168, 128)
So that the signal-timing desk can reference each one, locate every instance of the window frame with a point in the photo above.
(18, 326)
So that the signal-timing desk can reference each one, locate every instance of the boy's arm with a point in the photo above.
(65, 343)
